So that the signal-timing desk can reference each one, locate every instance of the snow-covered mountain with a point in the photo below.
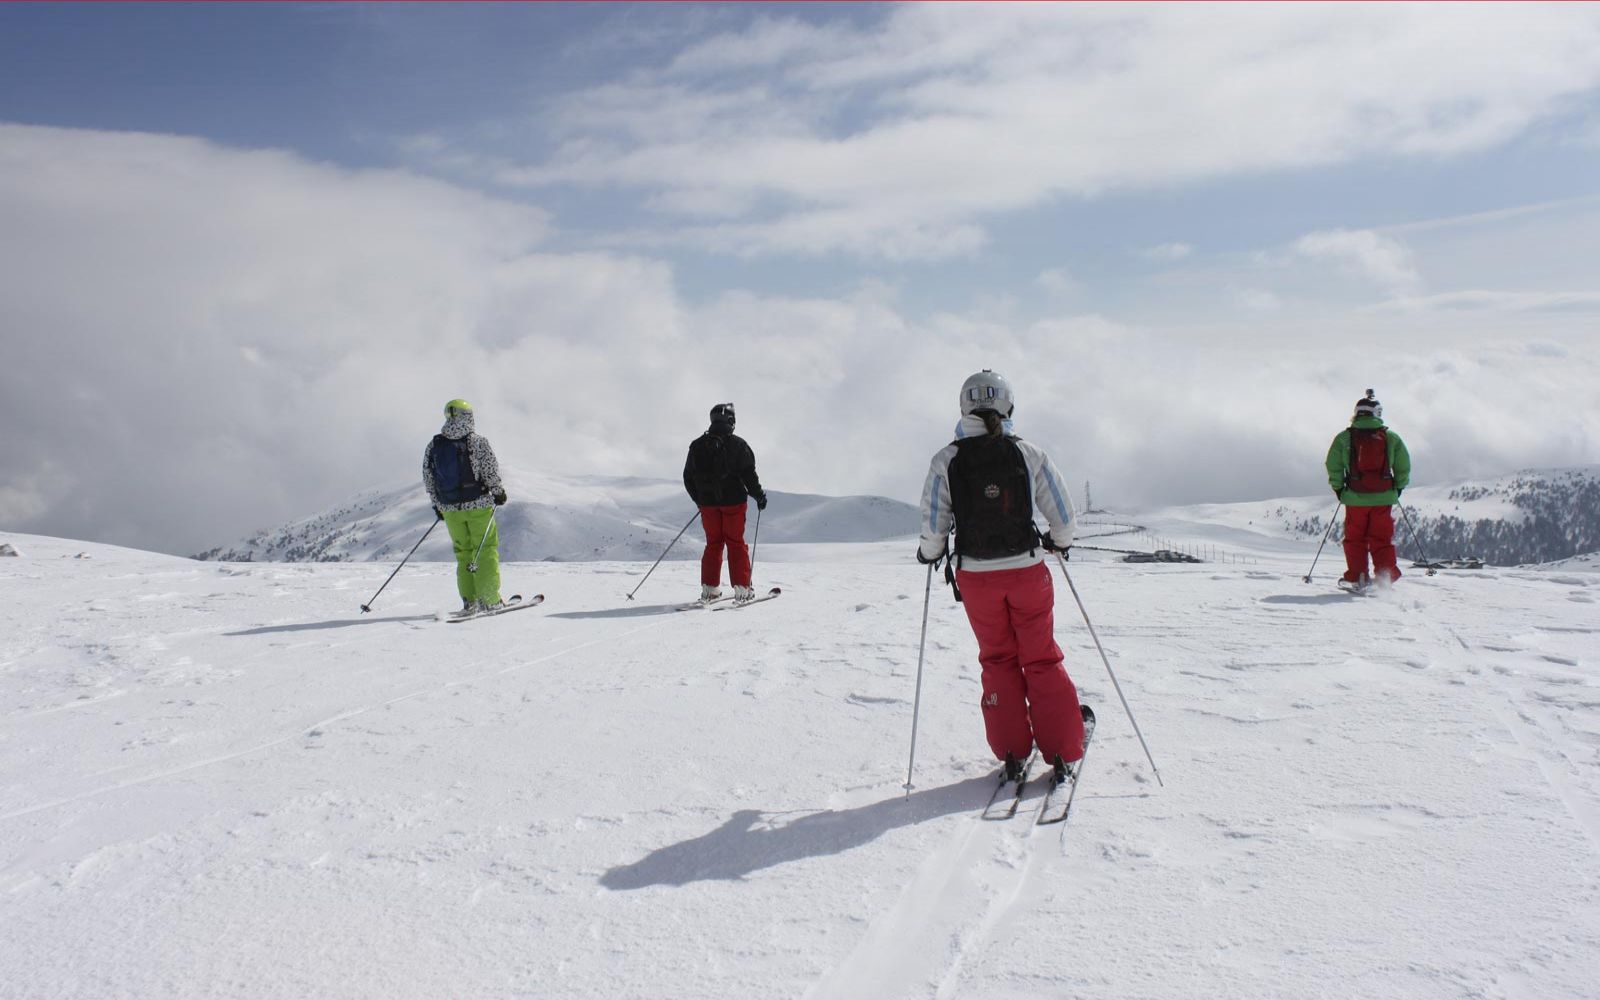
(1529, 517)
(563, 518)
(223, 780)
(1534, 516)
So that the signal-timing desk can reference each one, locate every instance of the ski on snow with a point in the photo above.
(1005, 806)
(513, 603)
(769, 595)
(1058, 804)
(697, 605)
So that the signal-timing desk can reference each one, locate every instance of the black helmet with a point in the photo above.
(722, 412)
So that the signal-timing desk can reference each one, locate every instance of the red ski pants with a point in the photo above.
(724, 527)
(1369, 530)
(1027, 695)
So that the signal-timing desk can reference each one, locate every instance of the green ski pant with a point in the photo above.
(466, 533)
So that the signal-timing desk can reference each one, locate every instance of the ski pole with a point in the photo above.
(368, 606)
(663, 554)
(753, 543)
(1415, 543)
(1331, 518)
(1113, 673)
(472, 567)
(916, 703)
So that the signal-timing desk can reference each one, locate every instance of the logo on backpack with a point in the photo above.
(1369, 470)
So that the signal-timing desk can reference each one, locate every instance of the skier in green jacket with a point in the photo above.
(1368, 466)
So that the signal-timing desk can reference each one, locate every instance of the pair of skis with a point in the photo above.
(513, 603)
(1057, 803)
(516, 602)
(727, 602)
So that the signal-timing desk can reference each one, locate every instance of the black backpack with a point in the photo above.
(712, 466)
(453, 477)
(991, 496)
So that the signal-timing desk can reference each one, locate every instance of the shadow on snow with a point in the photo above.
(743, 844)
(340, 623)
(630, 611)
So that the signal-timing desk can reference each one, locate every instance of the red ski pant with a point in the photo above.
(1027, 695)
(1369, 530)
(724, 527)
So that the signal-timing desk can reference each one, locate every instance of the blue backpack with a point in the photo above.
(453, 477)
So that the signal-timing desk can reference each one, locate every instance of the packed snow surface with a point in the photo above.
(223, 780)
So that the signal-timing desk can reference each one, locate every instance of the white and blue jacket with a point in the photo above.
(1050, 501)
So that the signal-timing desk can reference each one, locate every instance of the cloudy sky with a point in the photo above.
(248, 251)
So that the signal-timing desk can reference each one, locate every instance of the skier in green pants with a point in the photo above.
(463, 482)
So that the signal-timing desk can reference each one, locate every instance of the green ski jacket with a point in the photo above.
(1338, 465)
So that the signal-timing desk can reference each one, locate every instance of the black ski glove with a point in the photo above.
(438, 512)
(761, 502)
(1397, 495)
(924, 560)
(499, 497)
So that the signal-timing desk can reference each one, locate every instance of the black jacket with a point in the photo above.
(721, 469)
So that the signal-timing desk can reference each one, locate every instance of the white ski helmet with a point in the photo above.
(987, 390)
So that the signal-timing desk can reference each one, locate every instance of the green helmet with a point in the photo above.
(457, 406)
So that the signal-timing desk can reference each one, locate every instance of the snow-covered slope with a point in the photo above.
(221, 780)
(564, 518)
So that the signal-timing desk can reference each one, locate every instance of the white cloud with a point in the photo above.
(1490, 300)
(1167, 253)
(1383, 259)
(201, 341)
(1058, 281)
(866, 139)
(1257, 299)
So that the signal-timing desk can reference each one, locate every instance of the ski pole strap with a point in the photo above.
(949, 576)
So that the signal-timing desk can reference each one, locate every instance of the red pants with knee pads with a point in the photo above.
(1027, 696)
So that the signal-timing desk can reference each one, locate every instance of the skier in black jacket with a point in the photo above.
(719, 473)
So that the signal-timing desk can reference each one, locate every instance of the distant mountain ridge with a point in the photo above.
(564, 519)
(1532, 516)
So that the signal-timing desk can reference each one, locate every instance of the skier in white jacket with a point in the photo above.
(988, 486)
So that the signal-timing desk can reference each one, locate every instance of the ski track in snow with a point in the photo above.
(221, 780)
